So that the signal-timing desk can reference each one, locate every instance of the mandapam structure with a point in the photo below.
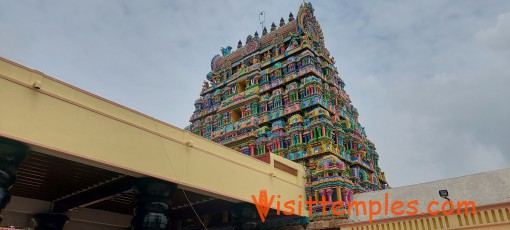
(280, 93)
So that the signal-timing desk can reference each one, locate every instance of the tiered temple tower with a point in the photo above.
(280, 93)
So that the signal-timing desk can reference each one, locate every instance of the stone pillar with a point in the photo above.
(49, 221)
(245, 216)
(152, 204)
(12, 153)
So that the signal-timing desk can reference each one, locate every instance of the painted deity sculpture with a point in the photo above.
(294, 106)
(205, 85)
(293, 44)
(282, 48)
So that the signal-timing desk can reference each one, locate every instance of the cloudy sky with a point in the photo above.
(430, 79)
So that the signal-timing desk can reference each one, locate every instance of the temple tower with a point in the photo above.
(281, 93)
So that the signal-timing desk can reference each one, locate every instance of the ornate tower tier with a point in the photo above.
(281, 93)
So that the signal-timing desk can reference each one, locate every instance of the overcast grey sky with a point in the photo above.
(430, 78)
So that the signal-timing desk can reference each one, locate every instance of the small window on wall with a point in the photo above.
(241, 87)
(236, 115)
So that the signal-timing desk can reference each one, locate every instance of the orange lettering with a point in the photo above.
(263, 204)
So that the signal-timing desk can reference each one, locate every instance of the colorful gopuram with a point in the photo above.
(281, 93)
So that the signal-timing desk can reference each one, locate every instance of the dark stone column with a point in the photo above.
(245, 216)
(50, 221)
(12, 153)
(152, 204)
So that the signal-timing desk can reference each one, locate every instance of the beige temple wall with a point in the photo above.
(490, 191)
(58, 119)
(491, 217)
(483, 188)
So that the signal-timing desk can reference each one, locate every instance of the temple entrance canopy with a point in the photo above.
(86, 153)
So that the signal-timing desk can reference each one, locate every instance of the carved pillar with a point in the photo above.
(12, 153)
(349, 195)
(152, 204)
(322, 193)
(344, 196)
(245, 216)
(231, 116)
(49, 221)
(252, 149)
(329, 192)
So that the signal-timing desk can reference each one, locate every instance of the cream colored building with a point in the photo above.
(81, 155)
(490, 191)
